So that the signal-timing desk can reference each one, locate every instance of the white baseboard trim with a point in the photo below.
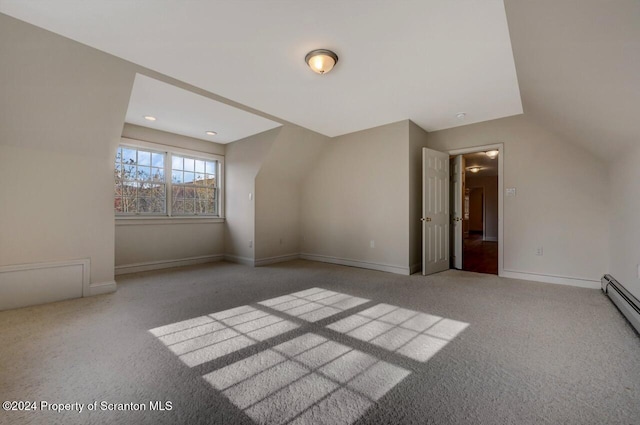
(239, 260)
(276, 259)
(490, 238)
(356, 263)
(102, 288)
(561, 280)
(416, 268)
(166, 264)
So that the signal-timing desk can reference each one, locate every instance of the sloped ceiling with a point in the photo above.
(578, 64)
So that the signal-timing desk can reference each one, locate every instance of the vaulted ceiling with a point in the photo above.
(577, 61)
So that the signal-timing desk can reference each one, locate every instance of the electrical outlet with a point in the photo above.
(372, 244)
(250, 244)
(250, 196)
(539, 251)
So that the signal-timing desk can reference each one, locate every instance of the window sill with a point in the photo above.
(140, 221)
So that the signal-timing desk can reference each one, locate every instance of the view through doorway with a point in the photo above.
(478, 223)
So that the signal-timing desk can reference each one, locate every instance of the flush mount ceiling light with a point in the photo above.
(461, 115)
(210, 133)
(321, 61)
(492, 154)
(149, 118)
(474, 169)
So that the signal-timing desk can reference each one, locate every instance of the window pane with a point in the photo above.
(211, 167)
(157, 160)
(157, 174)
(128, 189)
(211, 179)
(178, 207)
(189, 206)
(189, 164)
(157, 191)
(199, 166)
(118, 171)
(189, 193)
(176, 176)
(189, 177)
(129, 172)
(129, 205)
(157, 205)
(144, 158)
(200, 178)
(143, 205)
(177, 192)
(176, 162)
(144, 173)
(128, 156)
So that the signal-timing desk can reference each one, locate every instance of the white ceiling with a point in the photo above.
(424, 60)
(183, 112)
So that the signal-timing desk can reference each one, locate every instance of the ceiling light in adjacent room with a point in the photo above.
(149, 118)
(492, 153)
(321, 61)
(210, 133)
(474, 169)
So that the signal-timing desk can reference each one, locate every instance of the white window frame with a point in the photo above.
(168, 217)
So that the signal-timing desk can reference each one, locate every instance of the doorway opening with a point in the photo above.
(475, 209)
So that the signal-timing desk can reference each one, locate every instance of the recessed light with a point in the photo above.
(210, 133)
(149, 118)
(461, 115)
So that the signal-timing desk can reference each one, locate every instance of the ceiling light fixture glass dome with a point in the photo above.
(321, 61)
(492, 153)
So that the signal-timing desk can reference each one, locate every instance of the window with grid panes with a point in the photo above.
(140, 186)
(149, 182)
(193, 186)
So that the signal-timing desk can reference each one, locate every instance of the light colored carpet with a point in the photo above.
(304, 342)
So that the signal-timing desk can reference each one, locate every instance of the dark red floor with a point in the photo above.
(480, 256)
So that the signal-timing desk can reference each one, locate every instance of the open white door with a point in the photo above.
(457, 205)
(435, 211)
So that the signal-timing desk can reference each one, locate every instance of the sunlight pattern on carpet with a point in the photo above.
(207, 338)
(313, 304)
(413, 334)
(309, 378)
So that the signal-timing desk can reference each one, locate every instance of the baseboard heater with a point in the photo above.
(628, 305)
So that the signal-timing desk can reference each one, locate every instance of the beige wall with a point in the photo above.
(243, 160)
(624, 218)
(561, 201)
(357, 192)
(489, 184)
(279, 192)
(61, 113)
(144, 242)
